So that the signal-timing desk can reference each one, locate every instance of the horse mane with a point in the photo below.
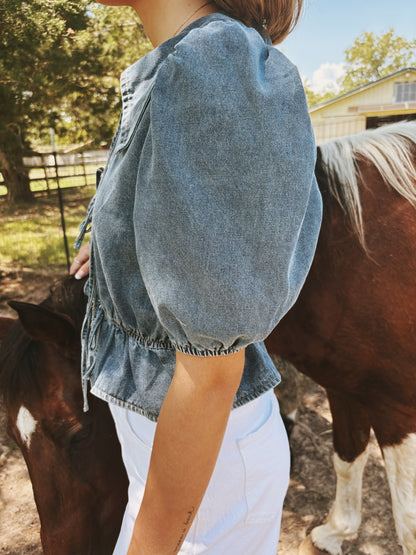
(19, 353)
(389, 148)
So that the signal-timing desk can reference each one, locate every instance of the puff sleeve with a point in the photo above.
(227, 212)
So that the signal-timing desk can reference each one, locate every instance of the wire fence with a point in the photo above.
(74, 169)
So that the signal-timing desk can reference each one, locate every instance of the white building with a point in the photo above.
(387, 100)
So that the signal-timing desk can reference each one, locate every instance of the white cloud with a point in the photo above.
(325, 78)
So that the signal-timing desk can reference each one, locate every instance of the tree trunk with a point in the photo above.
(16, 177)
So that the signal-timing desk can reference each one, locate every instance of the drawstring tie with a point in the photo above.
(85, 226)
(91, 328)
(94, 315)
(90, 340)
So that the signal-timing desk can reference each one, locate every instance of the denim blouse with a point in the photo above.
(207, 215)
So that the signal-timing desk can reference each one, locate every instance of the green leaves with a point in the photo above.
(60, 67)
(59, 55)
(372, 57)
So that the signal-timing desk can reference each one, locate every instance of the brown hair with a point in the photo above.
(276, 18)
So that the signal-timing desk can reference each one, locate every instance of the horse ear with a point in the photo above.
(42, 324)
(5, 324)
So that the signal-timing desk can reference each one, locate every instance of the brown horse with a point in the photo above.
(353, 328)
(74, 458)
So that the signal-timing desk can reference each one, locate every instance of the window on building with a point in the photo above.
(404, 92)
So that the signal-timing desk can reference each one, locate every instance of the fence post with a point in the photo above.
(61, 204)
(85, 169)
(46, 175)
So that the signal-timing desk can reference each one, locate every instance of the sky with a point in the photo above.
(328, 27)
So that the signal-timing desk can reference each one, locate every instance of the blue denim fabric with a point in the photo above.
(206, 219)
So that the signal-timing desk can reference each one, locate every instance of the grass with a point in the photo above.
(31, 236)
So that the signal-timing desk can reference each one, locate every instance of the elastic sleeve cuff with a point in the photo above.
(190, 350)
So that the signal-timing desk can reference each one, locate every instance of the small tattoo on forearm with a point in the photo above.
(185, 529)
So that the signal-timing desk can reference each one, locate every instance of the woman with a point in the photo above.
(203, 230)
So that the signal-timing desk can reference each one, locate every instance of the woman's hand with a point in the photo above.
(81, 264)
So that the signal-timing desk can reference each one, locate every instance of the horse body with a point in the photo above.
(353, 331)
(73, 458)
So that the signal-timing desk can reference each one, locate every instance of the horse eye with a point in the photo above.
(81, 436)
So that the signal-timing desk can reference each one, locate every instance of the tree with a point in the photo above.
(313, 97)
(113, 40)
(59, 68)
(372, 57)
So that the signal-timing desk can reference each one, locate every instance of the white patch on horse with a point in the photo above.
(292, 415)
(345, 516)
(26, 425)
(401, 473)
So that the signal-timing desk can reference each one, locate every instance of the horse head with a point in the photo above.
(73, 457)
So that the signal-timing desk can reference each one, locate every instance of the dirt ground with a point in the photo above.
(311, 490)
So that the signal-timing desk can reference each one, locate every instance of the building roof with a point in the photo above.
(362, 88)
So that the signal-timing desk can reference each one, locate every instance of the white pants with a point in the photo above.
(242, 507)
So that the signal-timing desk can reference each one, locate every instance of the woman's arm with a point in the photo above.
(188, 438)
